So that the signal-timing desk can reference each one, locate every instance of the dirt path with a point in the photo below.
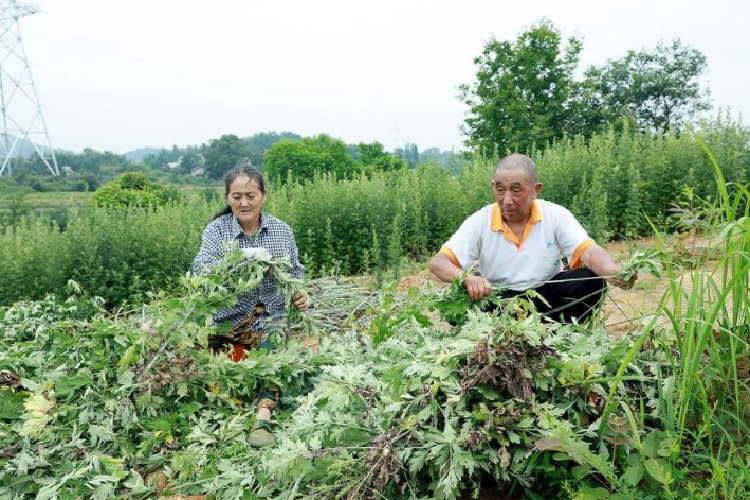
(629, 310)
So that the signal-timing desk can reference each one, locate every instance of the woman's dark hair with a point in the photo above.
(229, 178)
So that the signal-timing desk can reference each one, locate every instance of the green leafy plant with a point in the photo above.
(99, 401)
(134, 189)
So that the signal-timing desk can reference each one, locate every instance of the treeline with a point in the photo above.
(204, 163)
(224, 153)
(81, 172)
(526, 93)
(116, 254)
(376, 219)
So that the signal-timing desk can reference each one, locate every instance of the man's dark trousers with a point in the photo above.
(570, 294)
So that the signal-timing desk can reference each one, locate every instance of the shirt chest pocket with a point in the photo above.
(544, 259)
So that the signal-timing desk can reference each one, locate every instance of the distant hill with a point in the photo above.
(138, 155)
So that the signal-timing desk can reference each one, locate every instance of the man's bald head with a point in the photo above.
(517, 161)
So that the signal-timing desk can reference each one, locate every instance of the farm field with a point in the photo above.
(380, 396)
(44, 203)
(49, 200)
(388, 389)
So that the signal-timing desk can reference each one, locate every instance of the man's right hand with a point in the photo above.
(478, 287)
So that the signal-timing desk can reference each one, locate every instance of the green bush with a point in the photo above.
(357, 225)
(134, 189)
(613, 179)
(371, 221)
(35, 260)
(305, 157)
(116, 254)
(122, 254)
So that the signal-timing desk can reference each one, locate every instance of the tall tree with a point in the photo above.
(523, 92)
(223, 154)
(304, 157)
(374, 155)
(259, 143)
(659, 88)
(410, 153)
(190, 160)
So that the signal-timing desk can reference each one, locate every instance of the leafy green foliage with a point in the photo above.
(17, 207)
(134, 189)
(224, 154)
(396, 405)
(369, 222)
(304, 158)
(376, 220)
(117, 254)
(643, 262)
(424, 412)
(659, 87)
(99, 401)
(615, 180)
(374, 157)
(523, 93)
(259, 143)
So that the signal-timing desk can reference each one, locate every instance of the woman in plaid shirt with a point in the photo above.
(244, 223)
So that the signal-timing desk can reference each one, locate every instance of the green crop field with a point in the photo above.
(54, 200)
(107, 389)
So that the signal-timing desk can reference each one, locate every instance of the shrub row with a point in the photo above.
(615, 179)
(372, 221)
(117, 254)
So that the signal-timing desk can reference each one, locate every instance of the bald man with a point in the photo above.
(520, 241)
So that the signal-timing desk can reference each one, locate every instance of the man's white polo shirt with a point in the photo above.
(552, 232)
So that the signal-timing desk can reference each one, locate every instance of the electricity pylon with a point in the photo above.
(22, 121)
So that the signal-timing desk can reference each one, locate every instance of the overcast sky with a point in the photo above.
(117, 75)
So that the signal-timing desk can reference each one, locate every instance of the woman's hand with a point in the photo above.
(299, 301)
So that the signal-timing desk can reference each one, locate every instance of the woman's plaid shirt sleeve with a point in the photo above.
(211, 251)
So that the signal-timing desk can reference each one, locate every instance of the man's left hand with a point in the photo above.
(599, 261)
(625, 284)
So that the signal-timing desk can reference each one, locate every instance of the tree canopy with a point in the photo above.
(523, 93)
(224, 154)
(259, 143)
(305, 157)
(660, 88)
(374, 156)
(134, 189)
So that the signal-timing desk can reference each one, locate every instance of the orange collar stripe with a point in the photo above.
(498, 225)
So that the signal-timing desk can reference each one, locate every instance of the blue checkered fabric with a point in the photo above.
(273, 235)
